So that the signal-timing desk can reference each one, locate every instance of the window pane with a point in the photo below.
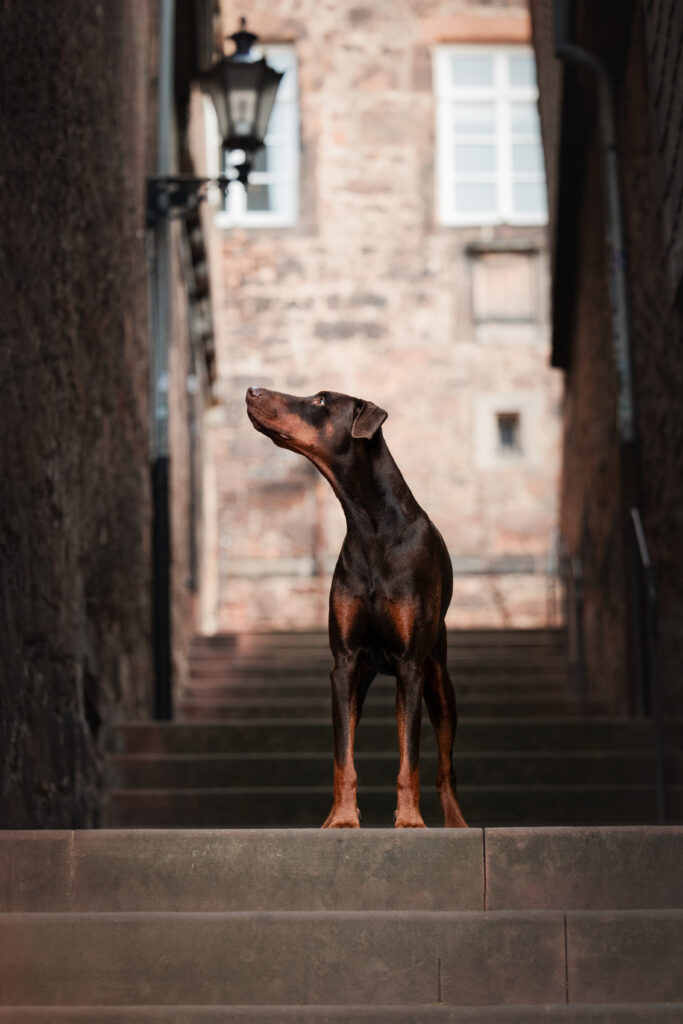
(475, 69)
(475, 159)
(260, 160)
(529, 197)
(473, 197)
(474, 119)
(258, 198)
(270, 160)
(522, 70)
(527, 158)
(524, 119)
(277, 123)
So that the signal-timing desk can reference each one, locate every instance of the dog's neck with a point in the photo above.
(376, 500)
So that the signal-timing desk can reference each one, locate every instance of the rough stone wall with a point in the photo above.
(663, 28)
(592, 512)
(74, 514)
(368, 295)
(655, 244)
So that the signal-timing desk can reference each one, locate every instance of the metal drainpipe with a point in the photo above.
(161, 329)
(618, 296)
(614, 232)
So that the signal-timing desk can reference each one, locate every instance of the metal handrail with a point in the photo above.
(648, 689)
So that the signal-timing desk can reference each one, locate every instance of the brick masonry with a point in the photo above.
(368, 295)
(639, 44)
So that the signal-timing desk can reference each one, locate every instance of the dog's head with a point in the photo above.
(320, 427)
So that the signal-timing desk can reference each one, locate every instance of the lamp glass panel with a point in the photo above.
(268, 90)
(242, 107)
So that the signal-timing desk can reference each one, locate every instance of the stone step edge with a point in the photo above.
(597, 1013)
(558, 788)
(164, 757)
(405, 915)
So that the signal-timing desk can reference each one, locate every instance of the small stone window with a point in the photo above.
(508, 433)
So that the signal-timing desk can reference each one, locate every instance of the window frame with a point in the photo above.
(235, 212)
(502, 96)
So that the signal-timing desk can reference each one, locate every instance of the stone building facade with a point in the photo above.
(639, 45)
(78, 137)
(372, 284)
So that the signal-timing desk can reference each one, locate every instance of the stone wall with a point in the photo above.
(367, 294)
(75, 513)
(596, 487)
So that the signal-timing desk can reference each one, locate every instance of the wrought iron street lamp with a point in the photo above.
(242, 87)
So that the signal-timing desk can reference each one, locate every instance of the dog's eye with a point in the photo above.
(319, 400)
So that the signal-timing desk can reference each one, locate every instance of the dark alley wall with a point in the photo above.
(640, 43)
(74, 512)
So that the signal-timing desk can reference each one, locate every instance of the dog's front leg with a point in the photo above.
(409, 686)
(345, 678)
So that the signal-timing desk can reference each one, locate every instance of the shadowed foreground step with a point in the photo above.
(367, 957)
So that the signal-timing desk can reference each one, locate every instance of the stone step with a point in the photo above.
(311, 676)
(367, 957)
(278, 640)
(623, 1013)
(459, 668)
(273, 735)
(300, 869)
(197, 708)
(196, 771)
(307, 807)
(383, 687)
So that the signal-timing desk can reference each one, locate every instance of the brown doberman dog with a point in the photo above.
(391, 588)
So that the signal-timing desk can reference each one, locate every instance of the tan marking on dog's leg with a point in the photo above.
(440, 701)
(408, 716)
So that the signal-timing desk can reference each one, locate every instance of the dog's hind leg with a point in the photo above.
(440, 701)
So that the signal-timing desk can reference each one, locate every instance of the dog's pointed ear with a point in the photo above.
(368, 419)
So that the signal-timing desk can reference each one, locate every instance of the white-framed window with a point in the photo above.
(272, 199)
(489, 155)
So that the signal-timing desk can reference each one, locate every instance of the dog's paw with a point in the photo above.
(409, 821)
(341, 818)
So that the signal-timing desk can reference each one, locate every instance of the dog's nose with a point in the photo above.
(254, 392)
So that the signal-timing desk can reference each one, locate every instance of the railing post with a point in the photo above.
(650, 688)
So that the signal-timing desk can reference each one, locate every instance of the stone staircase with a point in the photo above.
(499, 925)
(202, 902)
(252, 746)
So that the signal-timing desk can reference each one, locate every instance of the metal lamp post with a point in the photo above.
(242, 88)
